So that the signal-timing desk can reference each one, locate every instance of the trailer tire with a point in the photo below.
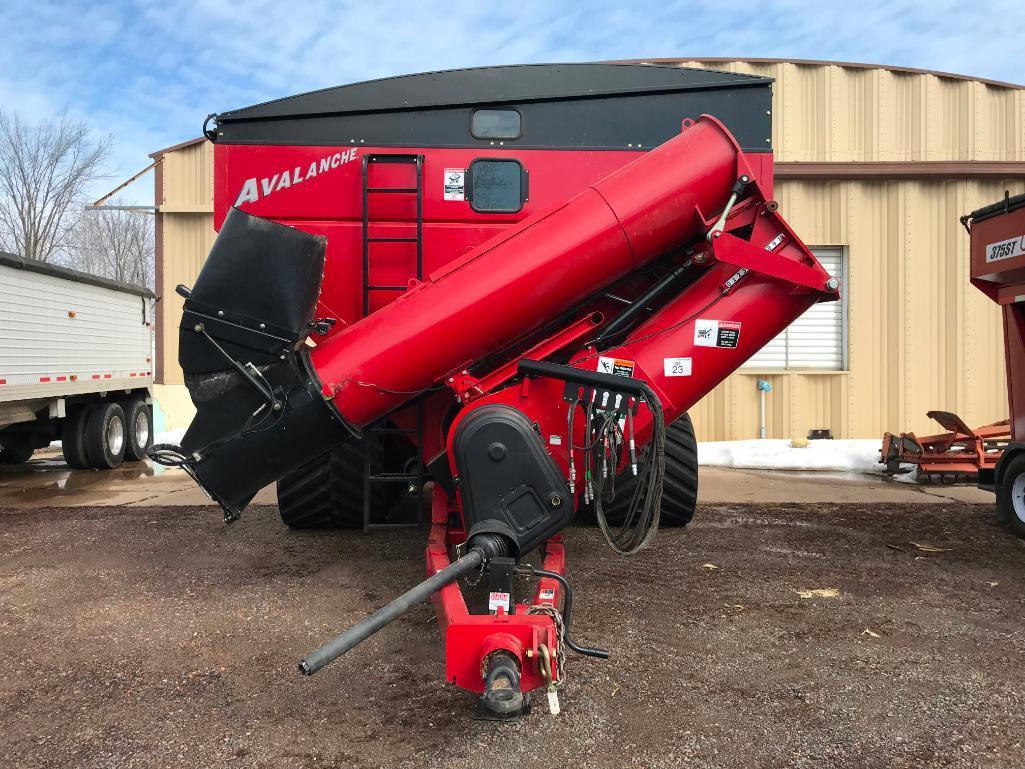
(327, 493)
(105, 436)
(73, 438)
(16, 451)
(139, 429)
(1011, 496)
(680, 488)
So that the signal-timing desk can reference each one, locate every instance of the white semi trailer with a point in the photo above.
(75, 365)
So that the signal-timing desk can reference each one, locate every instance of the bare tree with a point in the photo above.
(115, 244)
(44, 171)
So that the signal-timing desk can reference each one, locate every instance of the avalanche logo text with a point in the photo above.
(253, 189)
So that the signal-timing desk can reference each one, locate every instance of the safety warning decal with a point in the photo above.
(455, 184)
(496, 600)
(548, 594)
(1005, 249)
(677, 366)
(716, 333)
(616, 366)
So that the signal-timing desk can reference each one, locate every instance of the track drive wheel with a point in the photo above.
(327, 493)
(680, 488)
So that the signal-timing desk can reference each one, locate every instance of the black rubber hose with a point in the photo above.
(390, 612)
(567, 608)
(622, 321)
(640, 524)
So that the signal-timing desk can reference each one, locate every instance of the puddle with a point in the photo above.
(49, 479)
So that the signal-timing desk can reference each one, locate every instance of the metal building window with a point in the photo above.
(818, 339)
(496, 124)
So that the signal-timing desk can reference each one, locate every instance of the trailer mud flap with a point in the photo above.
(259, 408)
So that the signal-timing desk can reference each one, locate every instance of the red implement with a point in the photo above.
(954, 456)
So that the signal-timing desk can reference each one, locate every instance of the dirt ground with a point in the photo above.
(158, 637)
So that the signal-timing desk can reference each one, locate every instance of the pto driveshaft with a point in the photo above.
(390, 612)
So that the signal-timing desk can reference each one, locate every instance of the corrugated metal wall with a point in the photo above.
(185, 195)
(188, 180)
(837, 113)
(920, 337)
(188, 240)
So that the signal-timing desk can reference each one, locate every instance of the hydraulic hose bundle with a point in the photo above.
(640, 525)
(605, 450)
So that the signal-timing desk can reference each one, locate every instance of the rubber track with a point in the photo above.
(327, 493)
(680, 488)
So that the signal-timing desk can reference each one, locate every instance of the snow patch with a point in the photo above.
(169, 436)
(855, 456)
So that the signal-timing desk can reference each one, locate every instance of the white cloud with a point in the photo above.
(149, 73)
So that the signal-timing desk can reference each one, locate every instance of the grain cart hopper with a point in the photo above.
(587, 253)
(997, 236)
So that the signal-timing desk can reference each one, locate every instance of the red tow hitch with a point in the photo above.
(504, 655)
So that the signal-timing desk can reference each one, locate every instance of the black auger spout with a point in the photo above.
(242, 342)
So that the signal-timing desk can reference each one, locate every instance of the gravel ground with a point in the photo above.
(157, 637)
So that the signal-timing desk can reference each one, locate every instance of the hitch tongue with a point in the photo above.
(528, 570)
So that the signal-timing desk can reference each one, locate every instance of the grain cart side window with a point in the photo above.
(496, 124)
(496, 186)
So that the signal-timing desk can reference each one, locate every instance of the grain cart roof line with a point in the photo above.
(494, 85)
(1007, 205)
(573, 106)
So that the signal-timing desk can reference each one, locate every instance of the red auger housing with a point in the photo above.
(575, 293)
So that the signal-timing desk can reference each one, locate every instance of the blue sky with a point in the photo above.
(148, 73)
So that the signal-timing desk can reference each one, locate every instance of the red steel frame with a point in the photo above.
(782, 283)
(959, 453)
(470, 638)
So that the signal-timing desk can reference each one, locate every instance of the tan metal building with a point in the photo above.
(874, 167)
(184, 199)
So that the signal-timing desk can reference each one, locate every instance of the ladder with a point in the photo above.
(371, 476)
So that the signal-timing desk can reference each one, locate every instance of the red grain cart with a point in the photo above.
(495, 280)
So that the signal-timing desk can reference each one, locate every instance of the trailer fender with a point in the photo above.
(990, 479)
